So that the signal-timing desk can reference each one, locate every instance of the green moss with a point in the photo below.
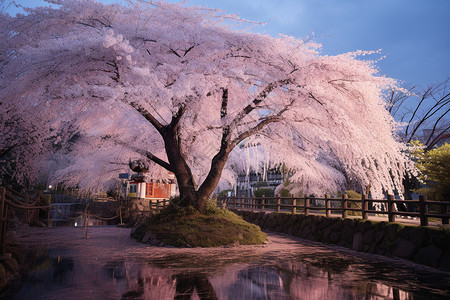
(285, 192)
(267, 192)
(187, 227)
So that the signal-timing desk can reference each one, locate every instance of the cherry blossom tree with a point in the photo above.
(179, 88)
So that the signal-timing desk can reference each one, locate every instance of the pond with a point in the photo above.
(63, 264)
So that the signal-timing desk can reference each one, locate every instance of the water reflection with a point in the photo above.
(58, 277)
(291, 271)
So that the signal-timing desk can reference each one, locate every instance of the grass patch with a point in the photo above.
(187, 227)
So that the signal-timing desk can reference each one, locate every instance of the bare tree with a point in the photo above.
(424, 112)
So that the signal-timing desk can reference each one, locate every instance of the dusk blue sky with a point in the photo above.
(414, 35)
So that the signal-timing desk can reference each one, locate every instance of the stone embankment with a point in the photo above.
(423, 245)
(9, 262)
(9, 268)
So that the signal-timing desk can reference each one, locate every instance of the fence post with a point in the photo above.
(364, 207)
(278, 203)
(234, 202)
(344, 205)
(27, 215)
(294, 206)
(253, 204)
(40, 196)
(2, 223)
(423, 210)
(263, 201)
(86, 220)
(49, 222)
(391, 208)
(87, 225)
(120, 213)
(327, 205)
(307, 204)
(5, 218)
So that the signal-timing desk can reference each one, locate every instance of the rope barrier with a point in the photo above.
(103, 218)
(90, 215)
(25, 206)
(12, 201)
(20, 202)
(64, 216)
(11, 191)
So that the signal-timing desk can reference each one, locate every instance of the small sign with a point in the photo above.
(124, 176)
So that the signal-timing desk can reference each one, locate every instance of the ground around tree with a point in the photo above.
(187, 227)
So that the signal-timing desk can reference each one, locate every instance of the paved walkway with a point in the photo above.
(402, 220)
(377, 217)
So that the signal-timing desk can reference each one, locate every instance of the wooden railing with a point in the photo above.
(154, 207)
(13, 199)
(158, 205)
(424, 208)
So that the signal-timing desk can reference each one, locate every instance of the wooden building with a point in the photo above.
(155, 190)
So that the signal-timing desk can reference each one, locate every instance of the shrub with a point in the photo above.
(266, 192)
(354, 195)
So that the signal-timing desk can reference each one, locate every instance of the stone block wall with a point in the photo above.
(423, 245)
(140, 204)
(9, 268)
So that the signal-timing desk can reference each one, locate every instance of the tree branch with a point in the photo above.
(159, 161)
(175, 52)
(223, 113)
(260, 97)
(311, 95)
(440, 104)
(177, 116)
(440, 136)
(424, 96)
(148, 116)
(149, 155)
(254, 130)
(188, 50)
(224, 108)
(435, 125)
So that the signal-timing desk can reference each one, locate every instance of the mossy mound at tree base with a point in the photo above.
(187, 227)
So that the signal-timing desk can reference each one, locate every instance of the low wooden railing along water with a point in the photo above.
(423, 208)
(32, 204)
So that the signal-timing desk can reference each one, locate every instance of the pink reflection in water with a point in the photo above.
(111, 265)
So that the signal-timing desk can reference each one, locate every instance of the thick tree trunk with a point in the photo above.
(211, 181)
(183, 174)
(189, 194)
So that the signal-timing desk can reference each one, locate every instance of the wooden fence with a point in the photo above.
(154, 206)
(422, 208)
(31, 204)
